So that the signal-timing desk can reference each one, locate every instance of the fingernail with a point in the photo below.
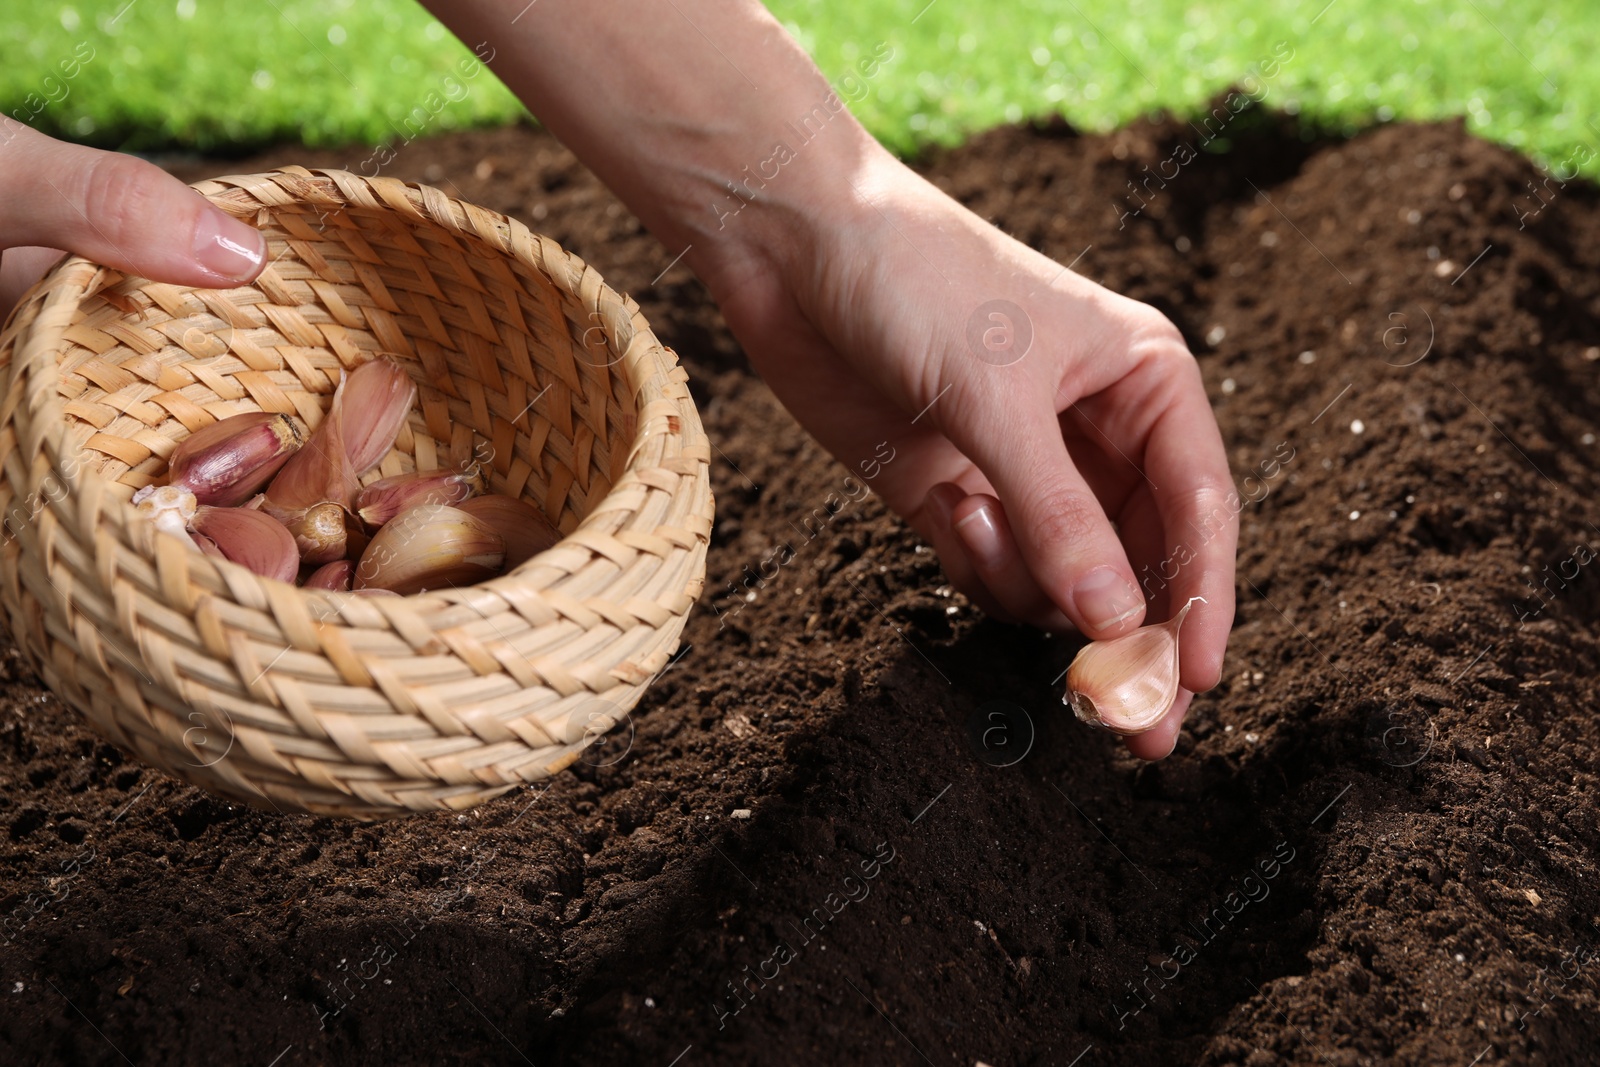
(1105, 599)
(227, 247)
(981, 534)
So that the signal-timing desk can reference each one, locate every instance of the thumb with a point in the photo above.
(120, 211)
(1059, 524)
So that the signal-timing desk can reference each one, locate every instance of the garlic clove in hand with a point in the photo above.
(1126, 684)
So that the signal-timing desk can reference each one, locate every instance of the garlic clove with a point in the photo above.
(1126, 684)
(333, 576)
(170, 507)
(249, 538)
(388, 497)
(522, 526)
(428, 547)
(321, 532)
(379, 395)
(321, 470)
(227, 462)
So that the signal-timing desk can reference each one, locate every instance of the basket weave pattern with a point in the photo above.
(328, 702)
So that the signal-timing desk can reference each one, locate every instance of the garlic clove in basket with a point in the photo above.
(333, 576)
(1127, 683)
(378, 398)
(522, 526)
(388, 497)
(170, 507)
(318, 472)
(226, 463)
(322, 532)
(428, 547)
(249, 538)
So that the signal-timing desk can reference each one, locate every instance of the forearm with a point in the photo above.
(704, 116)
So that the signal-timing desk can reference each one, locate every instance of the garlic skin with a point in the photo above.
(249, 538)
(388, 497)
(226, 463)
(522, 526)
(378, 398)
(334, 576)
(320, 471)
(429, 547)
(1126, 684)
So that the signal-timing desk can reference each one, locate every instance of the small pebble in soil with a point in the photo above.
(1308, 357)
(649, 1002)
(1251, 739)
(1182, 244)
(740, 813)
(1587, 438)
(1357, 426)
(1228, 386)
(1215, 335)
(1591, 354)
(1354, 515)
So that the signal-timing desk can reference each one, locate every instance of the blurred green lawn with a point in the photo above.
(200, 74)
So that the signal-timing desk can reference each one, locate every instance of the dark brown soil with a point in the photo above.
(1374, 844)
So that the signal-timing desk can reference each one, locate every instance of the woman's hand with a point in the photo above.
(1051, 438)
(114, 209)
(863, 294)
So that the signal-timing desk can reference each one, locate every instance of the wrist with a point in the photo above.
(783, 208)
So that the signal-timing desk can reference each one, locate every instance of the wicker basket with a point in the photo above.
(332, 703)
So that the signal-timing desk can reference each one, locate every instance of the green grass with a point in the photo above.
(196, 74)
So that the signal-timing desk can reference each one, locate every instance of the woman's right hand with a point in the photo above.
(114, 209)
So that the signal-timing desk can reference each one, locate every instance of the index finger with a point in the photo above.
(1194, 493)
